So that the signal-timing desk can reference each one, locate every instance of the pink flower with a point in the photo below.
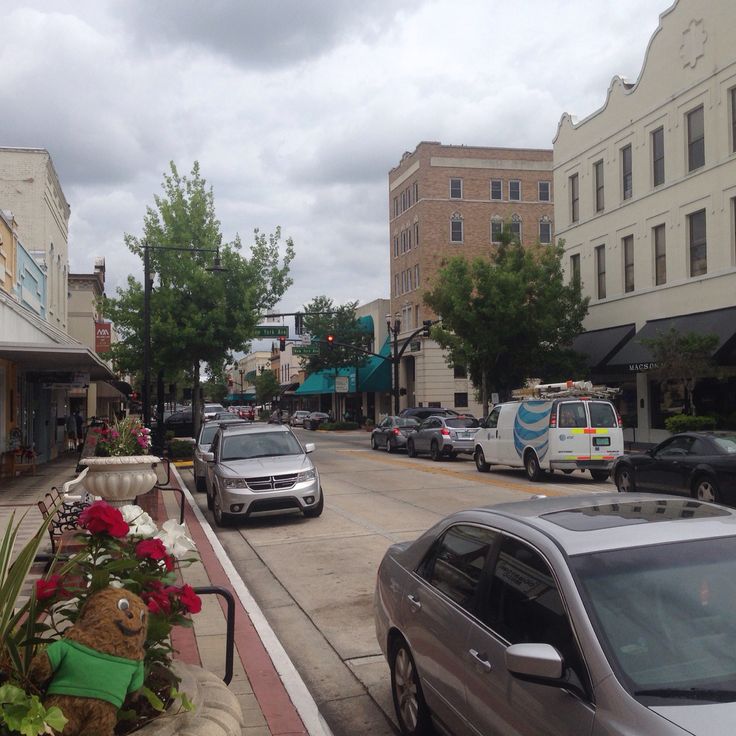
(50, 588)
(101, 518)
(153, 549)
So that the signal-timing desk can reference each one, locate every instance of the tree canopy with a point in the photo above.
(509, 317)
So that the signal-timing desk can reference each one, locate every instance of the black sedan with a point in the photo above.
(700, 464)
(391, 432)
(314, 420)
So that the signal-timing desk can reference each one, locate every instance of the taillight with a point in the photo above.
(553, 419)
(444, 431)
(620, 421)
(395, 431)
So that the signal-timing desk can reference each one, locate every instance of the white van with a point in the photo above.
(567, 434)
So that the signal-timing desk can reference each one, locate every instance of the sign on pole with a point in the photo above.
(305, 350)
(342, 384)
(272, 331)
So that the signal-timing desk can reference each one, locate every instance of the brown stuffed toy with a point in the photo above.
(97, 662)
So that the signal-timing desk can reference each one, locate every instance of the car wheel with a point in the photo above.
(209, 497)
(374, 442)
(412, 712)
(625, 480)
(389, 447)
(567, 471)
(706, 488)
(314, 511)
(531, 465)
(434, 451)
(600, 475)
(411, 451)
(453, 455)
(480, 461)
(221, 518)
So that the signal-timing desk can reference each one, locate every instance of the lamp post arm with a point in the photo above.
(408, 340)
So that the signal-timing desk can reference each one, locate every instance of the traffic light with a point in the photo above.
(330, 341)
(282, 344)
(427, 327)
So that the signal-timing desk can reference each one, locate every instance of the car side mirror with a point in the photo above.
(208, 457)
(540, 663)
(310, 447)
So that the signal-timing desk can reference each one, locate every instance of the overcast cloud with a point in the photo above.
(295, 109)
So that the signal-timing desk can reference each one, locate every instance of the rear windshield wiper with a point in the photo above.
(691, 693)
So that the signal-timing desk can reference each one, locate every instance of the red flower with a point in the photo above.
(153, 549)
(157, 597)
(50, 588)
(189, 600)
(101, 518)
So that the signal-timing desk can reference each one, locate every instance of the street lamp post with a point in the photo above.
(147, 288)
(242, 372)
(394, 330)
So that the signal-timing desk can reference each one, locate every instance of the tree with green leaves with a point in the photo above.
(683, 357)
(197, 316)
(267, 386)
(509, 317)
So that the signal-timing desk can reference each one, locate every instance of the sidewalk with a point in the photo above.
(272, 696)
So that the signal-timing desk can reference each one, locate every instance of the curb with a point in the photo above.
(301, 699)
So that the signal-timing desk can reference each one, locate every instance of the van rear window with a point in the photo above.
(602, 414)
(572, 414)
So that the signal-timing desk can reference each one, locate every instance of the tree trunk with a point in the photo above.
(160, 431)
(484, 392)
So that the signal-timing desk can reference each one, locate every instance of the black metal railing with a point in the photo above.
(230, 629)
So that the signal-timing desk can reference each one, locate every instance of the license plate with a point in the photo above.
(601, 441)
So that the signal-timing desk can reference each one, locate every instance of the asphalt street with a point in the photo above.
(314, 578)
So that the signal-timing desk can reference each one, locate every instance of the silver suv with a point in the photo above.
(444, 436)
(257, 467)
(206, 435)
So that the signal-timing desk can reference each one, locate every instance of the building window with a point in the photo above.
(695, 139)
(461, 400)
(396, 246)
(496, 189)
(416, 276)
(456, 188)
(544, 191)
(600, 271)
(516, 227)
(575, 268)
(515, 190)
(698, 246)
(415, 187)
(660, 255)
(459, 371)
(598, 176)
(456, 229)
(574, 199)
(416, 234)
(396, 206)
(403, 201)
(396, 285)
(658, 157)
(545, 231)
(496, 230)
(628, 248)
(627, 179)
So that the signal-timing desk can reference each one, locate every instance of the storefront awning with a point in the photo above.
(375, 375)
(289, 389)
(599, 345)
(55, 357)
(636, 357)
(323, 382)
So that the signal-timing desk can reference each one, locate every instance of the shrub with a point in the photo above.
(181, 450)
(688, 423)
(332, 426)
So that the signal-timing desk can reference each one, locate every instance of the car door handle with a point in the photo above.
(480, 660)
(414, 602)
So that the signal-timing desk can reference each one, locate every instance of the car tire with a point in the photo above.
(480, 461)
(411, 709)
(314, 511)
(374, 442)
(389, 447)
(199, 483)
(568, 471)
(453, 454)
(221, 518)
(600, 475)
(411, 451)
(705, 488)
(625, 480)
(531, 465)
(434, 451)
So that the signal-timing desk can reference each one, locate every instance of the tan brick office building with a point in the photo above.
(446, 201)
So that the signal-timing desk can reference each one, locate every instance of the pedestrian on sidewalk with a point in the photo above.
(71, 433)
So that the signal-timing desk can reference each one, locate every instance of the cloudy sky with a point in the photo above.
(295, 109)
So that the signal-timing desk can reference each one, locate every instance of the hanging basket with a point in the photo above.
(119, 480)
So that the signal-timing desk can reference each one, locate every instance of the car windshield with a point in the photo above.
(208, 434)
(213, 408)
(462, 422)
(666, 617)
(726, 442)
(406, 422)
(259, 444)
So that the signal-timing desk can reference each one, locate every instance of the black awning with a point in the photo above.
(599, 345)
(54, 357)
(288, 388)
(636, 357)
(123, 386)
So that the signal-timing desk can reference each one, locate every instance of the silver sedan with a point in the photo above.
(600, 615)
(444, 436)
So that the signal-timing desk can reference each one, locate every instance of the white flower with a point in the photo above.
(175, 539)
(140, 523)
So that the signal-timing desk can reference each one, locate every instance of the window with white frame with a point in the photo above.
(627, 173)
(415, 188)
(545, 230)
(396, 284)
(516, 226)
(544, 191)
(416, 234)
(396, 246)
(456, 188)
(515, 190)
(396, 206)
(628, 248)
(456, 229)
(496, 189)
(575, 268)
(600, 271)
(496, 229)
(574, 198)
(698, 243)
(599, 188)
(658, 157)
(660, 255)
(416, 276)
(695, 139)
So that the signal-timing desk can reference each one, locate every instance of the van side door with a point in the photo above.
(487, 436)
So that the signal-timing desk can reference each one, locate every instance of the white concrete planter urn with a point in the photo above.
(119, 480)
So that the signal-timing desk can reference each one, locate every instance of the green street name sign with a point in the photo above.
(272, 331)
(305, 350)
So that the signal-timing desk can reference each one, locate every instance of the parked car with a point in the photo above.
(204, 441)
(422, 412)
(259, 467)
(565, 434)
(445, 436)
(697, 464)
(392, 432)
(209, 410)
(220, 415)
(298, 417)
(279, 417)
(180, 423)
(565, 616)
(314, 419)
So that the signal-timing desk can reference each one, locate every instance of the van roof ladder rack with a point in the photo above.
(572, 389)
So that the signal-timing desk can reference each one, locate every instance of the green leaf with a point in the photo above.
(154, 701)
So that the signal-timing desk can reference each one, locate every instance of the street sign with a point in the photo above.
(306, 338)
(342, 384)
(272, 331)
(305, 350)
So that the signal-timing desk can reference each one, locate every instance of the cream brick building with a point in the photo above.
(446, 201)
(646, 204)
